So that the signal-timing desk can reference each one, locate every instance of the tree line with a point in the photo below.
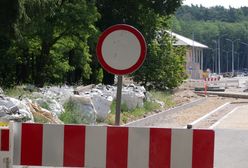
(217, 13)
(210, 25)
(53, 41)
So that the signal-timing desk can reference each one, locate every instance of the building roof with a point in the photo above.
(184, 41)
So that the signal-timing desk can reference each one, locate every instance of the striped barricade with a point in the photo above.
(111, 147)
(213, 80)
(4, 147)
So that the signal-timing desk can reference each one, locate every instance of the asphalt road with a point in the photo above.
(231, 139)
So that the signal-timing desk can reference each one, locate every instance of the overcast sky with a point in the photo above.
(210, 3)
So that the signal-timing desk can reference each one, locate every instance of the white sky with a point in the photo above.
(211, 3)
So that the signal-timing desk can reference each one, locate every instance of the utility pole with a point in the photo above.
(238, 63)
(219, 55)
(193, 56)
(219, 51)
(213, 51)
(216, 54)
(232, 41)
(227, 70)
(247, 51)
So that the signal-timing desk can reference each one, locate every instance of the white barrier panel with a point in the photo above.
(196, 83)
(112, 147)
(229, 83)
(231, 148)
(214, 82)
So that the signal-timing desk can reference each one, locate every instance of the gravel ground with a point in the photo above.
(183, 117)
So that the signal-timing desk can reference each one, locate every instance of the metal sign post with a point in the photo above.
(121, 50)
(118, 100)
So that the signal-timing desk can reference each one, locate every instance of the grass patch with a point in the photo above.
(149, 106)
(128, 115)
(72, 114)
(69, 116)
(45, 105)
(16, 91)
(39, 119)
(165, 97)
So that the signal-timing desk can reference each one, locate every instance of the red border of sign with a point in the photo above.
(142, 53)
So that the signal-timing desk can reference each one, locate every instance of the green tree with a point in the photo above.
(9, 14)
(149, 17)
(53, 41)
(165, 69)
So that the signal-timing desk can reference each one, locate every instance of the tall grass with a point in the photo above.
(16, 91)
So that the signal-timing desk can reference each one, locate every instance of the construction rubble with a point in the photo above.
(92, 102)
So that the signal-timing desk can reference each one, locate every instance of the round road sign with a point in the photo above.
(121, 49)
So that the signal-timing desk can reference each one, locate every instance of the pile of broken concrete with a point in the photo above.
(92, 102)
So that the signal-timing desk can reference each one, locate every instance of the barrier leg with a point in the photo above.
(6, 162)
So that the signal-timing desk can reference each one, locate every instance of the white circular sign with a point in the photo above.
(121, 49)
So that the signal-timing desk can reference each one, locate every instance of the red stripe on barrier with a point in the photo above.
(203, 149)
(74, 145)
(117, 147)
(4, 140)
(160, 148)
(31, 144)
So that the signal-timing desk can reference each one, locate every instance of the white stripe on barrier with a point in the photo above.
(53, 145)
(95, 144)
(181, 147)
(138, 147)
(17, 130)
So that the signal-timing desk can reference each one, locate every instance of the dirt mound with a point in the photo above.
(182, 96)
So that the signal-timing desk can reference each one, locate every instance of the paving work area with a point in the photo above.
(180, 117)
(236, 119)
(230, 123)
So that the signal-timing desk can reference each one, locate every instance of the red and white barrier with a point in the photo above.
(213, 79)
(111, 147)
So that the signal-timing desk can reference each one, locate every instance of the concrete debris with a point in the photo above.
(102, 97)
(91, 102)
(12, 109)
(53, 98)
(50, 104)
(60, 94)
(132, 99)
(84, 88)
(102, 106)
(83, 108)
